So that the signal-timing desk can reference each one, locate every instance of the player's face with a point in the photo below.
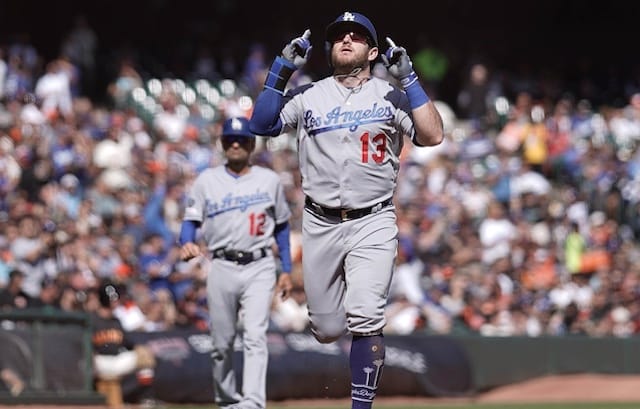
(237, 148)
(351, 49)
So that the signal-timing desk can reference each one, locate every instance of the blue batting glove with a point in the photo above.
(399, 64)
(298, 50)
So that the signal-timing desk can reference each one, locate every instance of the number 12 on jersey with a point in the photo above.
(256, 224)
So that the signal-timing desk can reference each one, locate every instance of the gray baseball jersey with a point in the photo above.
(239, 213)
(349, 142)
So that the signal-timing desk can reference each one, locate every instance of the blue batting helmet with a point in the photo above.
(347, 19)
(237, 127)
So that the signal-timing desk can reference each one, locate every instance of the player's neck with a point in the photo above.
(354, 82)
(353, 79)
(237, 169)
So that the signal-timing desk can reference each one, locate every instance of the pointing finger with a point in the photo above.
(307, 34)
(391, 43)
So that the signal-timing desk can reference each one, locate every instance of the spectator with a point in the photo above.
(54, 90)
(205, 66)
(432, 65)
(255, 69)
(12, 296)
(69, 197)
(48, 298)
(5, 261)
(126, 79)
(168, 123)
(10, 170)
(157, 262)
(3, 73)
(476, 94)
(497, 234)
(23, 63)
(81, 45)
(31, 249)
(574, 248)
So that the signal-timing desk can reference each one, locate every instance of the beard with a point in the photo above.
(346, 64)
(346, 68)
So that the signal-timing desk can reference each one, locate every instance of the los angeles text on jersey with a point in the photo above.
(240, 202)
(339, 118)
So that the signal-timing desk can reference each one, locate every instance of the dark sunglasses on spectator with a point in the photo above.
(355, 37)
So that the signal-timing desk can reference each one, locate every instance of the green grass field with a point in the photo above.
(603, 405)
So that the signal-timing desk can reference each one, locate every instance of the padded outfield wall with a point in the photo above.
(51, 353)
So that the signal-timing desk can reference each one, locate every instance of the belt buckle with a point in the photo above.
(317, 207)
(343, 215)
(231, 255)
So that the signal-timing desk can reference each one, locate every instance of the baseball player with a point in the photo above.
(240, 210)
(115, 354)
(350, 128)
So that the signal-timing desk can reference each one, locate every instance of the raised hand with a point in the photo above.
(399, 64)
(298, 50)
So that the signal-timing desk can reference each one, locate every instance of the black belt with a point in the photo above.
(345, 214)
(239, 256)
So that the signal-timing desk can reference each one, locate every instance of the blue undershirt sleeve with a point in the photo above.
(188, 231)
(281, 233)
(265, 119)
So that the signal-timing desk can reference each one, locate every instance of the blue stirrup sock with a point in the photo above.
(366, 361)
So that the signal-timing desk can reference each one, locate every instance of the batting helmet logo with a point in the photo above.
(348, 17)
(237, 127)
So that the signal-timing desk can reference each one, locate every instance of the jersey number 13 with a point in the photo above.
(379, 143)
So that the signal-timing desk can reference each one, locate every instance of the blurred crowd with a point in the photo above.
(523, 222)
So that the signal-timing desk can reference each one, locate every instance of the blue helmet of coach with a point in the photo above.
(347, 19)
(237, 127)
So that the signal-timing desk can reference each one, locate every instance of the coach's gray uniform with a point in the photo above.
(349, 159)
(239, 213)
